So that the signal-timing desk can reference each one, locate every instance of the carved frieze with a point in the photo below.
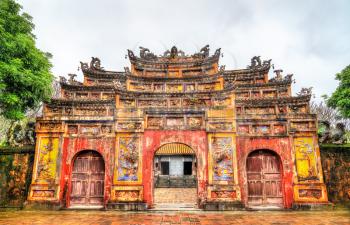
(129, 126)
(154, 122)
(195, 122)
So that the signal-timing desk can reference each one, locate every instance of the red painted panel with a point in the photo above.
(152, 140)
(281, 146)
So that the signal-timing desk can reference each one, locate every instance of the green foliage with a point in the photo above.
(25, 77)
(340, 99)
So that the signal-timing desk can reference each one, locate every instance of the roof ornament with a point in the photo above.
(217, 52)
(95, 64)
(255, 62)
(278, 76)
(145, 53)
(84, 66)
(267, 62)
(173, 53)
(63, 79)
(222, 68)
(127, 70)
(203, 53)
(305, 92)
(72, 77)
(131, 55)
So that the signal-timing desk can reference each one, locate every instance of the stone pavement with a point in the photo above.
(172, 218)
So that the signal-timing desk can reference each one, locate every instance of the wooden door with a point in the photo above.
(88, 179)
(264, 179)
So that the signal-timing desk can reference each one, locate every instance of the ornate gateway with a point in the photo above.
(236, 137)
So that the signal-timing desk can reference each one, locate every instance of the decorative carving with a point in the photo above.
(175, 122)
(243, 129)
(146, 54)
(128, 158)
(194, 122)
(222, 151)
(217, 52)
(221, 126)
(127, 102)
(43, 193)
(261, 129)
(96, 64)
(155, 122)
(48, 150)
(72, 79)
(119, 85)
(175, 102)
(84, 66)
(279, 129)
(127, 195)
(310, 193)
(231, 194)
(305, 91)
(127, 70)
(63, 79)
(131, 55)
(129, 125)
(255, 62)
(203, 53)
(89, 130)
(106, 129)
(72, 129)
(306, 161)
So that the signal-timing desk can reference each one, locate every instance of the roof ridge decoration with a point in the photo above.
(255, 62)
(173, 53)
(280, 77)
(95, 64)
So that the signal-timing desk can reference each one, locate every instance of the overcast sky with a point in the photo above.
(310, 39)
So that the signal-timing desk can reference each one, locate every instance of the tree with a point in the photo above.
(25, 77)
(340, 99)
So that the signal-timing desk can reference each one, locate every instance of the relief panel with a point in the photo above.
(222, 161)
(127, 194)
(306, 160)
(174, 87)
(47, 154)
(155, 122)
(128, 161)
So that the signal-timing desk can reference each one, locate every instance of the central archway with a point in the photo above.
(175, 176)
(87, 182)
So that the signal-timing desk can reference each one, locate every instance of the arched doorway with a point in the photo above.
(175, 176)
(264, 179)
(87, 183)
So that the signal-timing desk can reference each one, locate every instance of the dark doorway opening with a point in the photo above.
(164, 168)
(187, 168)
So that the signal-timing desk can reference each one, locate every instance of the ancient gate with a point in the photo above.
(87, 179)
(175, 175)
(264, 179)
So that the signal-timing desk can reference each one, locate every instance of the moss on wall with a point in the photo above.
(16, 166)
(336, 169)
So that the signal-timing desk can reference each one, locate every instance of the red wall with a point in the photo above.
(282, 146)
(152, 140)
(71, 146)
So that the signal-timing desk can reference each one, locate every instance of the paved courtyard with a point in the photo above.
(169, 218)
